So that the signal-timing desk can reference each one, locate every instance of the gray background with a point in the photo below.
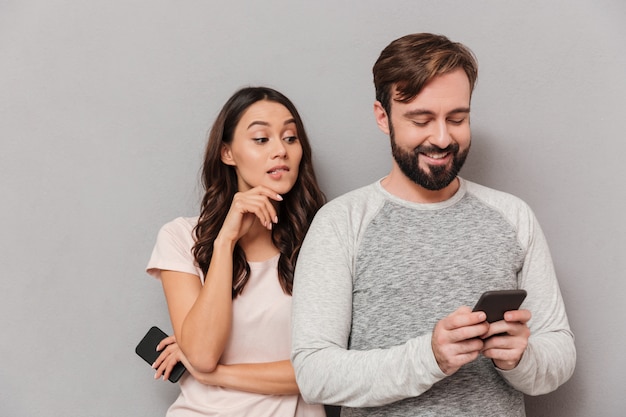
(104, 110)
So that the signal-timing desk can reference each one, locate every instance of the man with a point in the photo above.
(386, 275)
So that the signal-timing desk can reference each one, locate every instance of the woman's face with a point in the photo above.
(265, 149)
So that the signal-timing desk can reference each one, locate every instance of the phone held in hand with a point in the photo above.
(496, 303)
(147, 350)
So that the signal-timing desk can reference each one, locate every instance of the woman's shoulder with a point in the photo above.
(180, 226)
(173, 248)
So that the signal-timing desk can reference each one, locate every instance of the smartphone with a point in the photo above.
(496, 303)
(147, 350)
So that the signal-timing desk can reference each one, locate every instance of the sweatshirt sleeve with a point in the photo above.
(550, 357)
(326, 370)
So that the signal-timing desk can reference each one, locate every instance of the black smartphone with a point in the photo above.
(496, 303)
(147, 350)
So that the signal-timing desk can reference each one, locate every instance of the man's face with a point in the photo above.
(430, 135)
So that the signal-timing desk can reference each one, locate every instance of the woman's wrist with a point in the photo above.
(223, 243)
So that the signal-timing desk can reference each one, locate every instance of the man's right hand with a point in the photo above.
(456, 339)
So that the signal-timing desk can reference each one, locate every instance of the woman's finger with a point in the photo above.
(165, 342)
(258, 202)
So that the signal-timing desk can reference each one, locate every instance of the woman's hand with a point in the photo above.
(169, 357)
(247, 206)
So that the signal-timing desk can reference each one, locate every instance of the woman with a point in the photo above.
(227, 274)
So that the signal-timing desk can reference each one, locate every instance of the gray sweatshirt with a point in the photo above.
(374, 275)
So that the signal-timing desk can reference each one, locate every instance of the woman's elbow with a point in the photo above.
(203, 362)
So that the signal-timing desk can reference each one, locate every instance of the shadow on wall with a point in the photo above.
(486, 160)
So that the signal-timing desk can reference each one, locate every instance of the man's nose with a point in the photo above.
(441, 137)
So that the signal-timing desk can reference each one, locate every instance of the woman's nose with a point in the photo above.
(279, 150)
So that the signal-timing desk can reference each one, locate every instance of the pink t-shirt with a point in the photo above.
(261, 333)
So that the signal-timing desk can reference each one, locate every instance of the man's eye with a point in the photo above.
(456, 121)
(421, 124)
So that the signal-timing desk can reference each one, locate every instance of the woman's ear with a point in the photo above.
(382, 119)
(227, 155)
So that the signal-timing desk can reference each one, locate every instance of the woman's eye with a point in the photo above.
(290, 139)
(260, 140)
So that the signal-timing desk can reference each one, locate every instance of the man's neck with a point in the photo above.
(401, 186)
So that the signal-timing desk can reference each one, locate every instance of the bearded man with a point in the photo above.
(385, 277)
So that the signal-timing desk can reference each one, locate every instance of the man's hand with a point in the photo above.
(457, 339)
(506, 340)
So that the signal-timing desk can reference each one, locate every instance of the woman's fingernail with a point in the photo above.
(279, 197)
(275, 219)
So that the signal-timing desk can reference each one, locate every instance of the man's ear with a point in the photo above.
(382, 119)
(227, 155)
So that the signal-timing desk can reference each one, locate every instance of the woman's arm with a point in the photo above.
(270, 378)
(202, 314)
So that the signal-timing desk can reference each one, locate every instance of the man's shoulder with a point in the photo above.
(352, 209)
(509, 205)
(357, 199)
(491, 195)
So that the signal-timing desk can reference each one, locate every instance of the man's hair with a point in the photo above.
(410, 62)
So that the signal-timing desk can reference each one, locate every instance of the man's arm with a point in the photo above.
(326, 371)
(550, 356)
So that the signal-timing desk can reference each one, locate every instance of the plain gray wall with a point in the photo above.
(104, 110)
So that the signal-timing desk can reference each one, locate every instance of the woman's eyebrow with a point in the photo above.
(262, 123)
(259, 123)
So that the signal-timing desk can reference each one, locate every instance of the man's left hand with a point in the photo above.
(506, 340)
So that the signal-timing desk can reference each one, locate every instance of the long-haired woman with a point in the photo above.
(227, 274)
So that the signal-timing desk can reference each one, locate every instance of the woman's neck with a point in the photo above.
(257, 243)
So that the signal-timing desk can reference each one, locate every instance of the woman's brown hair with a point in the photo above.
(219, 180)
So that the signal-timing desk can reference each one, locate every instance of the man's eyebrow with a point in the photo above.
(262, 123)
(460, 110)
(425, 112)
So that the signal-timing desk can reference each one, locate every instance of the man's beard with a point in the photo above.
(439, 176)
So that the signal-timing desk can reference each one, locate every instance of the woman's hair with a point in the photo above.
(410, 62)
(297, 209)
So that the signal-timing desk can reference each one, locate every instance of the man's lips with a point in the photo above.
(439, 155)
(436, 158)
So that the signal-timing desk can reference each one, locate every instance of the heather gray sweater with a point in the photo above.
(376, 273)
